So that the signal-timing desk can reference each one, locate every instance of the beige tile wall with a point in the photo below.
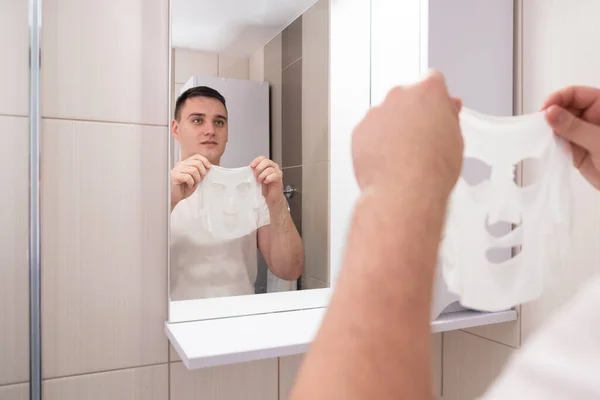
(14, 202)
(104, 240)
(470, 364)
(14, 64)
(14, 239)
(15, 392)
(273, 74)
(437, 346)
(234, 68)
(191, 63)
(187, 63)
(104, 281)
(288, 369)
(296, 64)
(103, 65)
(256, 66)
(552, 56)
(143, 383)
(252, 381)
(315, 143)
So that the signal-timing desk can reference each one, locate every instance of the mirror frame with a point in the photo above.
(349, 99)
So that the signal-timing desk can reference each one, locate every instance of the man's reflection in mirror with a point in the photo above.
(203, 266)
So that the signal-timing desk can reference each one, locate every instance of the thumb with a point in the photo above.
(573, 129)
(457, 103)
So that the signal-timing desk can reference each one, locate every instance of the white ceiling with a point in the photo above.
(232, 27)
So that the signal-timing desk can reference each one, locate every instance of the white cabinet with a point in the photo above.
(470, 41)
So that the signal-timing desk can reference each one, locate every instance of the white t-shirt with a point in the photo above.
(562, 360)
(204, 267)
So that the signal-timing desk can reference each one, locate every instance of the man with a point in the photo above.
(374, 342)
(200, 126)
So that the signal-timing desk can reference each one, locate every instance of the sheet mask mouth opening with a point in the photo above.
(499, 255)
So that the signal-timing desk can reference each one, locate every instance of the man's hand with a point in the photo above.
(412, 139)
(186, 176)
(407, 157)
(268, 173)
(574, 114)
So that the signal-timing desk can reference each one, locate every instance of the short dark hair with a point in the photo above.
(198, 91)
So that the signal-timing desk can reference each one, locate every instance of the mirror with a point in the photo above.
(249, 170)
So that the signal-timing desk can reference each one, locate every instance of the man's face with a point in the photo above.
(202, 128)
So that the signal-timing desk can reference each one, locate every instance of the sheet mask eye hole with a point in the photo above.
(217, 188)
(243, 188)
(532, 171)
(475, 171)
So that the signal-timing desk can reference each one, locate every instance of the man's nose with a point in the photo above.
(208, 131)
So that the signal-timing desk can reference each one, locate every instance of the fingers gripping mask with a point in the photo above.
(539, 212)
(231, 199)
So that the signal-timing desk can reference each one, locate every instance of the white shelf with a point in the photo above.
(233, 340)
(470, 319)
(236, 306)
(239, 339)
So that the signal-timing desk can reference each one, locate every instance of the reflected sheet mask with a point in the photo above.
(230, 199)
(539, 211)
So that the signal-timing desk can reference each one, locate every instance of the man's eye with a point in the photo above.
(220, 123)
(197, 121)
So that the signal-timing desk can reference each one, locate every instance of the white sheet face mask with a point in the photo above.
(539, 211)
(230, 198)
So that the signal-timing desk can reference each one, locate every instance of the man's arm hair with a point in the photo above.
(281, 244)
(374, 342)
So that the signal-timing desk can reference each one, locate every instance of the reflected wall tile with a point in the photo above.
(255, 380)
(14, 63)
(273, 75)
(15, 392)
(234, 68)
(315, 220)
(437, 357)
(315, 84)
(508, 333)
(104, 241)
(291, 114)
(144, 383)
(312, 283)
(190, 63)
(14, 240)
(293, 177)
(291, 43)
(288, 370)
(176, 92)
(256, 66)
(470, 364)
(106, 65)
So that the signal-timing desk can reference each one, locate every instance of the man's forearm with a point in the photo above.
(286, 253)
(374, 342)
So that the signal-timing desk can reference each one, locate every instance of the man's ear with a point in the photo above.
(175, 129)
